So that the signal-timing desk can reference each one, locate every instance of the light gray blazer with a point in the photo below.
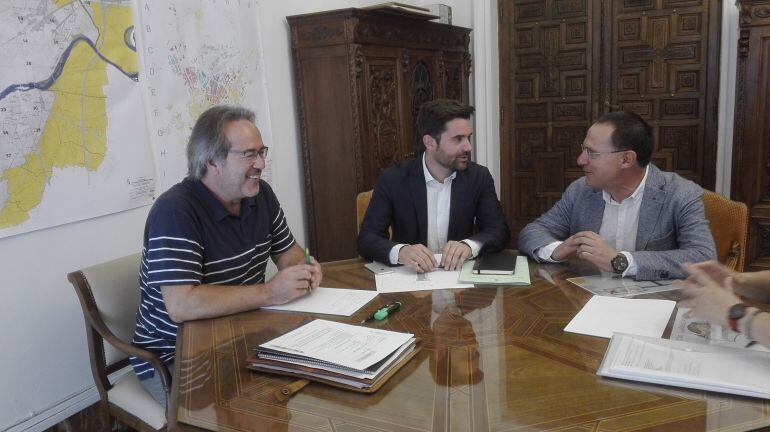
(672, 224)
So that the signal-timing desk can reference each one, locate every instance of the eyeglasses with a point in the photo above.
(251, 154)
(592, 154)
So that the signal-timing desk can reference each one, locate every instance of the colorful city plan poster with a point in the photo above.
(73, 137)
(196, 54)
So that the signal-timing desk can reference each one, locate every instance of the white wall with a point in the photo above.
(486, 86)
(728, 65)
(44, 364)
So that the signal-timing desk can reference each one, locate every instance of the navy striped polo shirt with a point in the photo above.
(191, 239)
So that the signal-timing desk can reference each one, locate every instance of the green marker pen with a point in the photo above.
(307, 261)
(383, 313)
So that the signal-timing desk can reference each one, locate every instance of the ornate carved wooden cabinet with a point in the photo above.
(564, 63)
(360, 77)
(751, 143)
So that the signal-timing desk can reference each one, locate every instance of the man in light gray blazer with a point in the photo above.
(625, 215)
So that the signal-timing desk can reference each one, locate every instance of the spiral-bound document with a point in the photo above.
(349, 356)
(686, 364)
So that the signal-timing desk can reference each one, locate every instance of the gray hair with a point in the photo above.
(208, 141)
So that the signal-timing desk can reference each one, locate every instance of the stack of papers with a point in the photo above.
(686, 364)
(402, 279)
(402, 9)
(352, 357)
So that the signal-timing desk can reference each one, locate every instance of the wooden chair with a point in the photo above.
(728, 221)
(109, 296)
(362, 203)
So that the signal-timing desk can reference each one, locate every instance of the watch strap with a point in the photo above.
(749, 321)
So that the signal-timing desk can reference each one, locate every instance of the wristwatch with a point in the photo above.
(735, 313)
(619, 263)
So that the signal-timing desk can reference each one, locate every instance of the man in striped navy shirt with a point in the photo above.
(208, 238)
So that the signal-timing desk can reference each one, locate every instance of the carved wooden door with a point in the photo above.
(564, 63)
(548, 55)
(751, 142)
(664, 65)
(430, 75)
(381, 84)
(393, 83)
(424, 82)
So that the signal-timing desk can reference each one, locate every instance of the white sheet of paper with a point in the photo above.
(348, 345)
(602, 316)
(330, 301)
(404, 279)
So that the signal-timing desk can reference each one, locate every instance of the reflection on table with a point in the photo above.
(492, 358)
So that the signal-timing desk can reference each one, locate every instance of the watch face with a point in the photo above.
(737, 311)
(619, 263)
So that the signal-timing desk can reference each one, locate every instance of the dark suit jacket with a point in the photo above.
(400, 201)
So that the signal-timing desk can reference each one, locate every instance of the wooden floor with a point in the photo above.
(87, 420)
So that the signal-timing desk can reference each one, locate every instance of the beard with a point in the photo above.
(457, 163)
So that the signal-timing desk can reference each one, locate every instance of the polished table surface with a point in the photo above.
(492, 358)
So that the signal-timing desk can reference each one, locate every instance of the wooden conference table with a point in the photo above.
(492, 358)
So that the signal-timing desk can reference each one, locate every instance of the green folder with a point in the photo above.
(519, 277)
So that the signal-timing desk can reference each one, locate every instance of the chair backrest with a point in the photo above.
(728, 221)
(109, 296)
(362, 203)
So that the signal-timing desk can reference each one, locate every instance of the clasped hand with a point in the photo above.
(587, 246)
(420, 259)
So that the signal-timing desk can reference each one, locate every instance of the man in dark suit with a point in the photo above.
(440, 202)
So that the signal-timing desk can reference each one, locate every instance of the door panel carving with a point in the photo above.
(565, 63)
(381, 77)
(660, 65)
(420, 92)
(751, 141)
(547, 86)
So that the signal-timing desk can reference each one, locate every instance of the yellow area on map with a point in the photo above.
(116, 21)
(75, 134)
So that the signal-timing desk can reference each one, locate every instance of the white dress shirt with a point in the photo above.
(439, 204)
(620, 223)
